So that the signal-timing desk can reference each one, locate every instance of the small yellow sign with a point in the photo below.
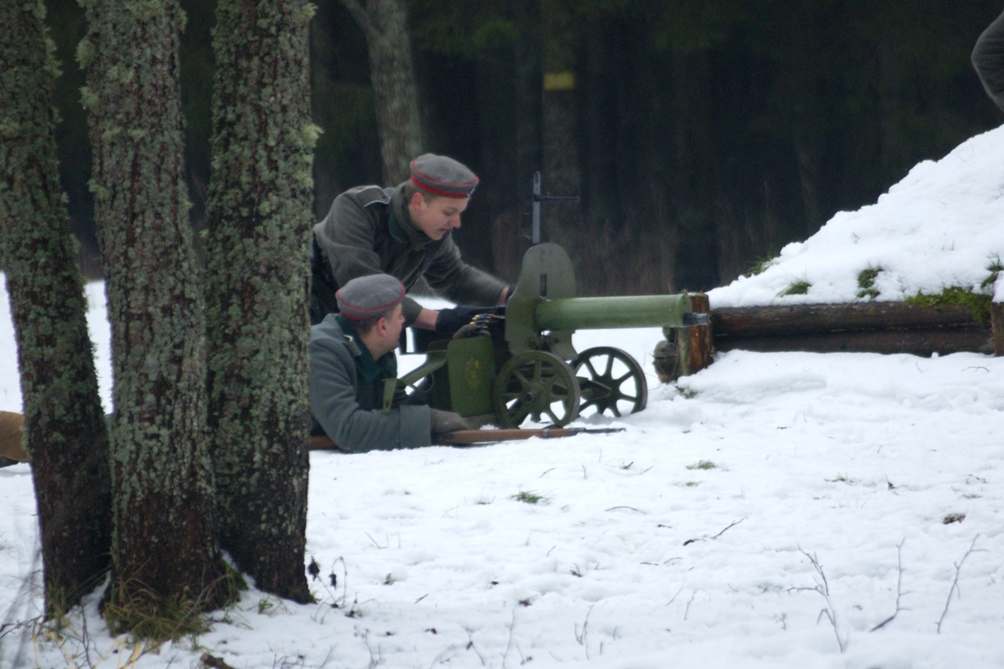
(559, 81)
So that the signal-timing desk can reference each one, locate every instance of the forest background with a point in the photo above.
(702, 135)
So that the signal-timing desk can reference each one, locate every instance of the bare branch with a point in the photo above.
(730, 526)
(823, 589)
(899, 588)
(955, 583)
(471, 646)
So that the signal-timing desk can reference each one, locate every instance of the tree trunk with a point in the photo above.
(67, 439)
(257, 280)
(163, 545)
(392, 72)
(561, 223)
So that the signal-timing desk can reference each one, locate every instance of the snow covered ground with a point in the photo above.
(775, 510)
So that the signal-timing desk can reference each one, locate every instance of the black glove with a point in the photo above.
(451, 320)
(446, 421)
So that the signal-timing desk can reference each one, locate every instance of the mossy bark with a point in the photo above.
(65, 433)
(259, 216)
(392, 73)
(163, 543)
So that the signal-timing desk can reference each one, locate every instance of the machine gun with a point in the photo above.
(535, 371)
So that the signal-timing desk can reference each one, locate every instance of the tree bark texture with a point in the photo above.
(257, 283)
(805, 319)
(560, 175)
(392, 71)
(872, 327)
(66, 435)
(997, 320)
(163, 544)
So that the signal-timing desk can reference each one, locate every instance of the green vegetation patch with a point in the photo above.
(797, 288)
(995, 268)
(530, 497)
(703, 464)
(760, 265)
(866, 282)
(978, 304)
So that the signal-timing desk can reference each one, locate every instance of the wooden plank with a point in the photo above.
(997, 321)
(695, 344)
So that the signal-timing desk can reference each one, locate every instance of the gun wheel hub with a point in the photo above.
(611, 381)
(537, 385)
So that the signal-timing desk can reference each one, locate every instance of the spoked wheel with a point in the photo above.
(611, 382)
(536, 384)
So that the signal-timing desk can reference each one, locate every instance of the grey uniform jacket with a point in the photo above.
(367, 231)
(988, 59)
(346, 395)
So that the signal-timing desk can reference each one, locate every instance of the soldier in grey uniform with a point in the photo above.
(404, 232)
(988, 59)
(351, 354)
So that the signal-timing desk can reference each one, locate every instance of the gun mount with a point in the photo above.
(535, 370)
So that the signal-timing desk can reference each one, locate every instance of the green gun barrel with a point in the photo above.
(600, 313)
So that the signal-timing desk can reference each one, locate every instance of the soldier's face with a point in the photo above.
(437, 215)
(390, 328)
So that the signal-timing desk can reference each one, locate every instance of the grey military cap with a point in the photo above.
(443, 176)
(369, 296)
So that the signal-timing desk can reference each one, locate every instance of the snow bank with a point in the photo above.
(939, 227)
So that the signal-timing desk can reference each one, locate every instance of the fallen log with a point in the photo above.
(873, 327)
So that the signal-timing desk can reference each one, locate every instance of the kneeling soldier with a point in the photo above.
(351, 354)
(405, 232)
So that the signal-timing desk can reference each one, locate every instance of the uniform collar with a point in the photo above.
(370, 369)
(400, 223)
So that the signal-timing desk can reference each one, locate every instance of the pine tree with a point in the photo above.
(163, 544)
(66, 436)
(260, 217)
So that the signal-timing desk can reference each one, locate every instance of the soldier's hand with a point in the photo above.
(446, 421)
(451, 320)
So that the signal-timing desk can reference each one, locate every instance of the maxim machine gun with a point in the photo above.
(527, 366)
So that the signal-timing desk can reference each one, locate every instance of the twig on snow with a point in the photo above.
(824, 591)
(899, 588)
(580, 636)
(508, 646)
(686, 612)
(471, 646)
(730, 526)
(955, 583)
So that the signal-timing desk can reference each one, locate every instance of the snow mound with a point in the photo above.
(938, 227)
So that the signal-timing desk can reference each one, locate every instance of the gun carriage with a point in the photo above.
(527, 366)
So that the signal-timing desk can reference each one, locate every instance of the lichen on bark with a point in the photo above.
(259, 219)
(164, 534)
(65, 432)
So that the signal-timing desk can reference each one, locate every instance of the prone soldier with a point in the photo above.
(351, 358)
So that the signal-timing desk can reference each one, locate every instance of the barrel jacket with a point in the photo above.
(346, 394)
(988, 59)
(368, 231)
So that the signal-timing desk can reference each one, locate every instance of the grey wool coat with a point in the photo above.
(368, 231)
(346, 394)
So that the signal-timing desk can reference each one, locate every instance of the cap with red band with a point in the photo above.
(369, 296)
(443, 176)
